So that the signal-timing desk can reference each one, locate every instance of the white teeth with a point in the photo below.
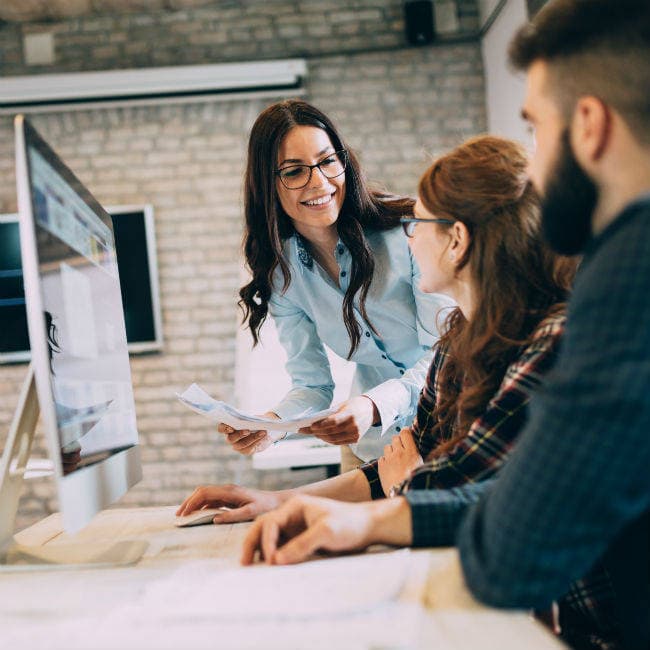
(322, 201)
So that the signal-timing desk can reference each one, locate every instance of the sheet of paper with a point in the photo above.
(320, 588)
(201, 402)
(362, 602)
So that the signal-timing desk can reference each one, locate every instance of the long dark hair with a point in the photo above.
(267, 224)
(518, 280)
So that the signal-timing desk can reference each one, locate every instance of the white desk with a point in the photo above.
(107, 608)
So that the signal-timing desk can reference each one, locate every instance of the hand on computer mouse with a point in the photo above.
(245, 503)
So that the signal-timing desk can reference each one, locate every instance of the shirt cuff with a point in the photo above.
(436, 517)
(386, 398)
(371, 473)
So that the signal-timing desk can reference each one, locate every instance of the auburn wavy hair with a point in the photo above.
(517, 279)
(267, 224)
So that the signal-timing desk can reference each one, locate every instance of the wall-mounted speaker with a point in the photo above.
(419, 21)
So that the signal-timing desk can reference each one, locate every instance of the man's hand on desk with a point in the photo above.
(306, 524)
(353, 418)
(245, 504)
(246, 441)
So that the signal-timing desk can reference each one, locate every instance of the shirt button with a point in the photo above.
(340, 250)
(368, 334)
(401, 372)
(383, 356)
(343, 274)
(397, 429)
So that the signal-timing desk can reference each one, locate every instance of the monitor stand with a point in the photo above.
(13, 466)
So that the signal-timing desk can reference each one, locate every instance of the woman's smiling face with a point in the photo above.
(317, 205)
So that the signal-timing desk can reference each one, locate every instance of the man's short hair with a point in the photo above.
(593, 47)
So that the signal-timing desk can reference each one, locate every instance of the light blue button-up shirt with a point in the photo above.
(391, 366)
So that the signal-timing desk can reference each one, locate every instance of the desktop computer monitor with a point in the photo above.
(77, 334)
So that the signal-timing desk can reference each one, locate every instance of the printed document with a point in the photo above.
(199, 401)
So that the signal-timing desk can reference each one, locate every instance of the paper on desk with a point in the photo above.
(342, 586)
(357, 603)
(199, 401)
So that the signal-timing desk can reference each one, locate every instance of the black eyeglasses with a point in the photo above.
(409, 223)
(295, 177)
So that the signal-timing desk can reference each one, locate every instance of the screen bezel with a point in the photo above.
(87, 490)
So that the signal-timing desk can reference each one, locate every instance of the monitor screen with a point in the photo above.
(14, 340)
(76, 329)
(133, 227)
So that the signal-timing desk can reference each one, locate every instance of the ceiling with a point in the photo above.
(48, 10)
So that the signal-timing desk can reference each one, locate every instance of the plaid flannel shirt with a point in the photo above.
(479, 454)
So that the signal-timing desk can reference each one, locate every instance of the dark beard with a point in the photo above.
(568, 204)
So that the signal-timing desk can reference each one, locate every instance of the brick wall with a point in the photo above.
(396, 106)
(232, 30)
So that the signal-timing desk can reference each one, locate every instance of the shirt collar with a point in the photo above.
(304, 255)
(629, 212)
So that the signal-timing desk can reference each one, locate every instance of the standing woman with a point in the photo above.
(331, 266)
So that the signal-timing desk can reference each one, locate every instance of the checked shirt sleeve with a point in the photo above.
(490, 439)
(437, 514)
